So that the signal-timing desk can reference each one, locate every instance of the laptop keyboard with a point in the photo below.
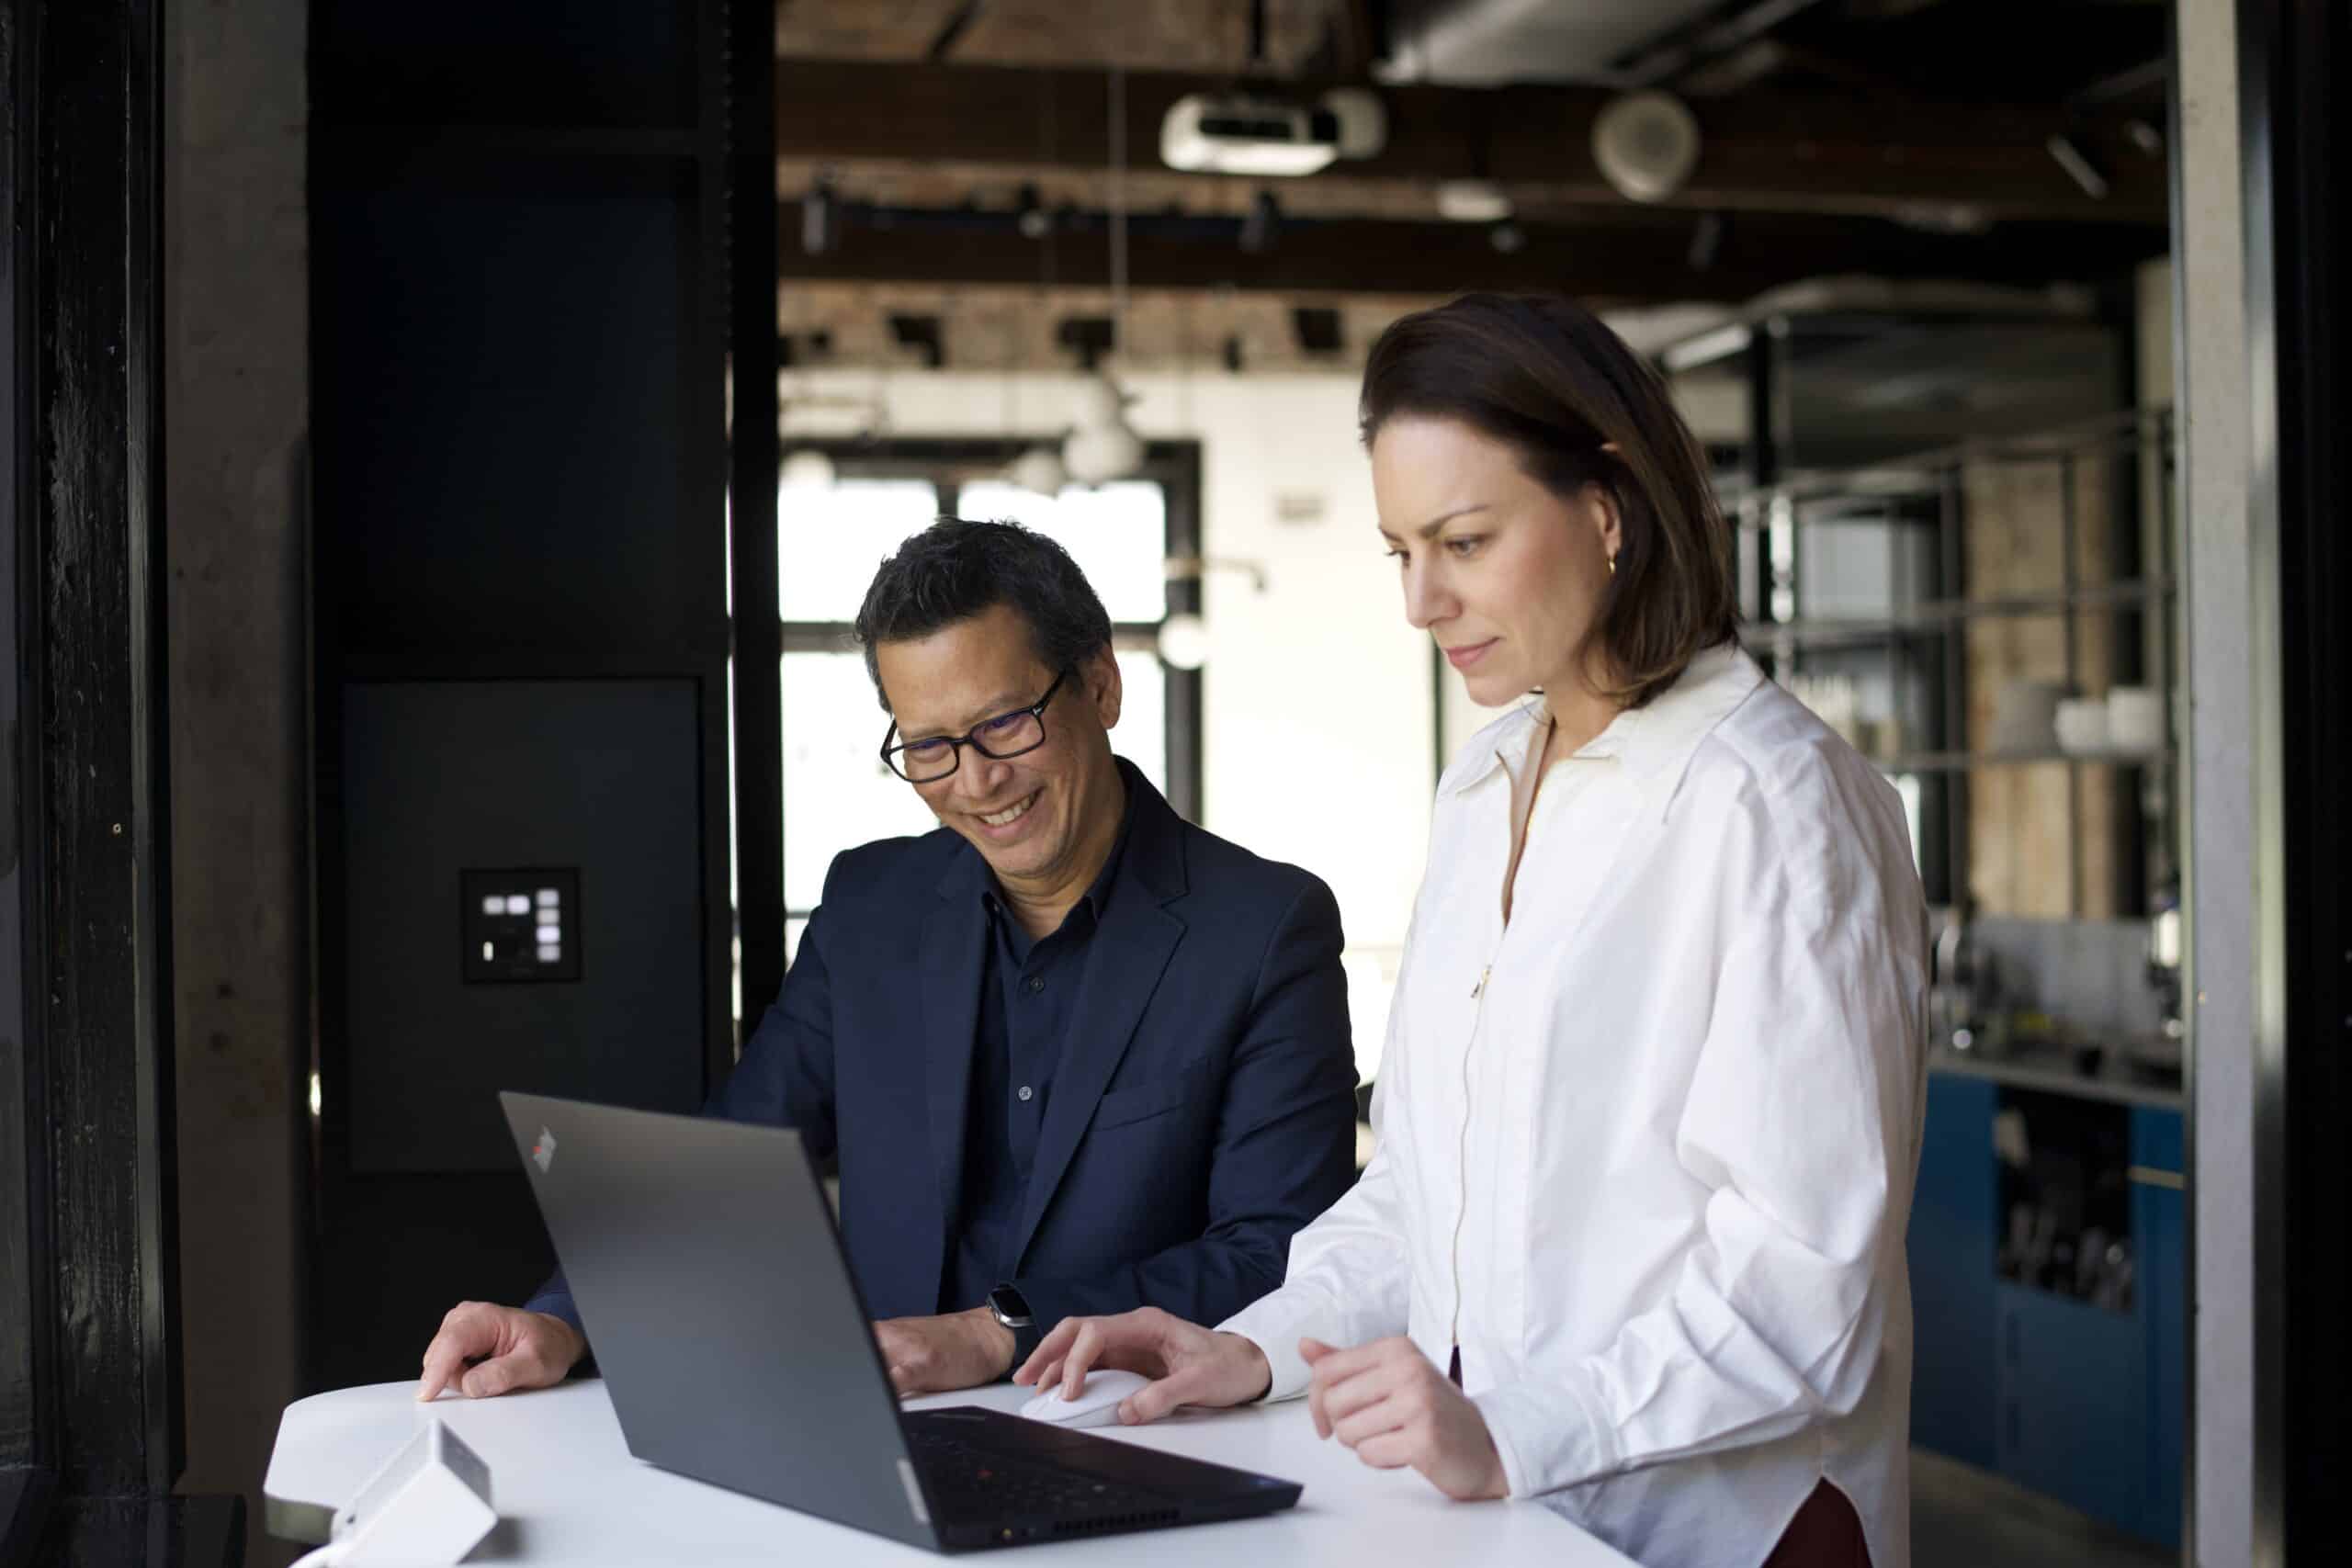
(974, 1481)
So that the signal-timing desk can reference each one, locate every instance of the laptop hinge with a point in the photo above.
(914, 1493)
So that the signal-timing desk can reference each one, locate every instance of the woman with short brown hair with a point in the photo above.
(1631, 1240)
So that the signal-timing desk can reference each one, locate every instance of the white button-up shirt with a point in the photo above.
(1645, 1152)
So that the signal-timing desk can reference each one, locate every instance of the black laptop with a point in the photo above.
(737, 1350)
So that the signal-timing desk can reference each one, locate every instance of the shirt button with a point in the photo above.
(1036, 984)
(1027, 1093)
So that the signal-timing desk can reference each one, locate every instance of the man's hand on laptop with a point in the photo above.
(485, 1349)
(935, 1355)
(1188, 1364)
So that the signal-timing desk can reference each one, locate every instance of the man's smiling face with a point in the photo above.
(1030, 815)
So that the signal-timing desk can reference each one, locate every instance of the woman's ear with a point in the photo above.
(1605, 516)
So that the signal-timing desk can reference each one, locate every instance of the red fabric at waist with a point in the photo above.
(1825, 1533)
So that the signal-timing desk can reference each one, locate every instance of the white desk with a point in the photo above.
(568, 1491)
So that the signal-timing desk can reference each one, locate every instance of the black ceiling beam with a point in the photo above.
(1620, 256)
(1764, 151)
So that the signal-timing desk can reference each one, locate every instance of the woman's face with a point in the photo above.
(1506, 576)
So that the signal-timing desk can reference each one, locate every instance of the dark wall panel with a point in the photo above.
(518, 337)
(509, 438)
(596, 778)
(603, 62)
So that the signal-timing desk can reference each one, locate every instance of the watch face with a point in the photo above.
(1010, 1306)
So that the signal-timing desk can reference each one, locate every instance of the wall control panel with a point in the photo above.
(521, 925)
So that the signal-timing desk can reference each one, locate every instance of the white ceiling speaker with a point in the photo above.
(1646, 144)
(1038, 470)
(1236, 133)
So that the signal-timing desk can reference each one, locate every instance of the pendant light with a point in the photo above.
(1102, 446)
(807, 468)
(1040, 471)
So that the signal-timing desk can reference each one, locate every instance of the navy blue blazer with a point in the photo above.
(1202, 1110)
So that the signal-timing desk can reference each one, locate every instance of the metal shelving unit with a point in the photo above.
(1961, 762)
(1935, 616)
(1924, 643)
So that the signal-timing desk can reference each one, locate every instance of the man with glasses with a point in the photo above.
(1075, 1054)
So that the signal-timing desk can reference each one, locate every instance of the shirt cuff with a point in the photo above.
(1548, 1436)
(557, 1303)
(1276, 1326)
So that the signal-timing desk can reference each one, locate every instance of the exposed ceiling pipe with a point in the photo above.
(950, 32)
(1667, 59)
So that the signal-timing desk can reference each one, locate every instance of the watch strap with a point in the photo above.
(1018, 1318)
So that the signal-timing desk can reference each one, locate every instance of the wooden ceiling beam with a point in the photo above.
(1762, 151)
(1621, 258)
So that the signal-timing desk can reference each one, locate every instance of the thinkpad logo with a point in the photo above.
(543, 1152)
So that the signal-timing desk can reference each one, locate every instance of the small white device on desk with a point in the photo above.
(426, 1508)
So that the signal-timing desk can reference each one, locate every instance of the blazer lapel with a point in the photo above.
(954, 939)
(1129, 952)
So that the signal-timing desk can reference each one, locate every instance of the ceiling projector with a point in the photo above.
(1236, 133)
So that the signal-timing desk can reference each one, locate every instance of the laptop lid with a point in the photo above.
(732, 1338)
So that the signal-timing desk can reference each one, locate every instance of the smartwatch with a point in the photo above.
(1011, 1308)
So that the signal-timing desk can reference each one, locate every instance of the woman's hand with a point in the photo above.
(1188, 1364)
(1387, 1402)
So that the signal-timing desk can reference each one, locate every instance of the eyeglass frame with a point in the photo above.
(971, 737)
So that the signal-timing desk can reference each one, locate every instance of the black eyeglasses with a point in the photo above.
(1007, 735)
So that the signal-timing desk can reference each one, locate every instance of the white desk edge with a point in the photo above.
(568, 1490)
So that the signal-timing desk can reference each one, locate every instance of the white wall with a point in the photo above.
(1317, 702)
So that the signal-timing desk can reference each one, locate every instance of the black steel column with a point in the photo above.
(756, 456)
(1186, 688)
(2293, 58)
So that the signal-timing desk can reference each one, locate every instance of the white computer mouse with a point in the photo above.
(1097, 1403)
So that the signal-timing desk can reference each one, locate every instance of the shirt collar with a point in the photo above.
(1655, 742)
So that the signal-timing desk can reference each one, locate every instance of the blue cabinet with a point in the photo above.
(1953, 1224)
(2160, 1221)
(2073, 1404)
(2072, 1400)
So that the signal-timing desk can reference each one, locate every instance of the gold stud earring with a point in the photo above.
(1612, 566)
